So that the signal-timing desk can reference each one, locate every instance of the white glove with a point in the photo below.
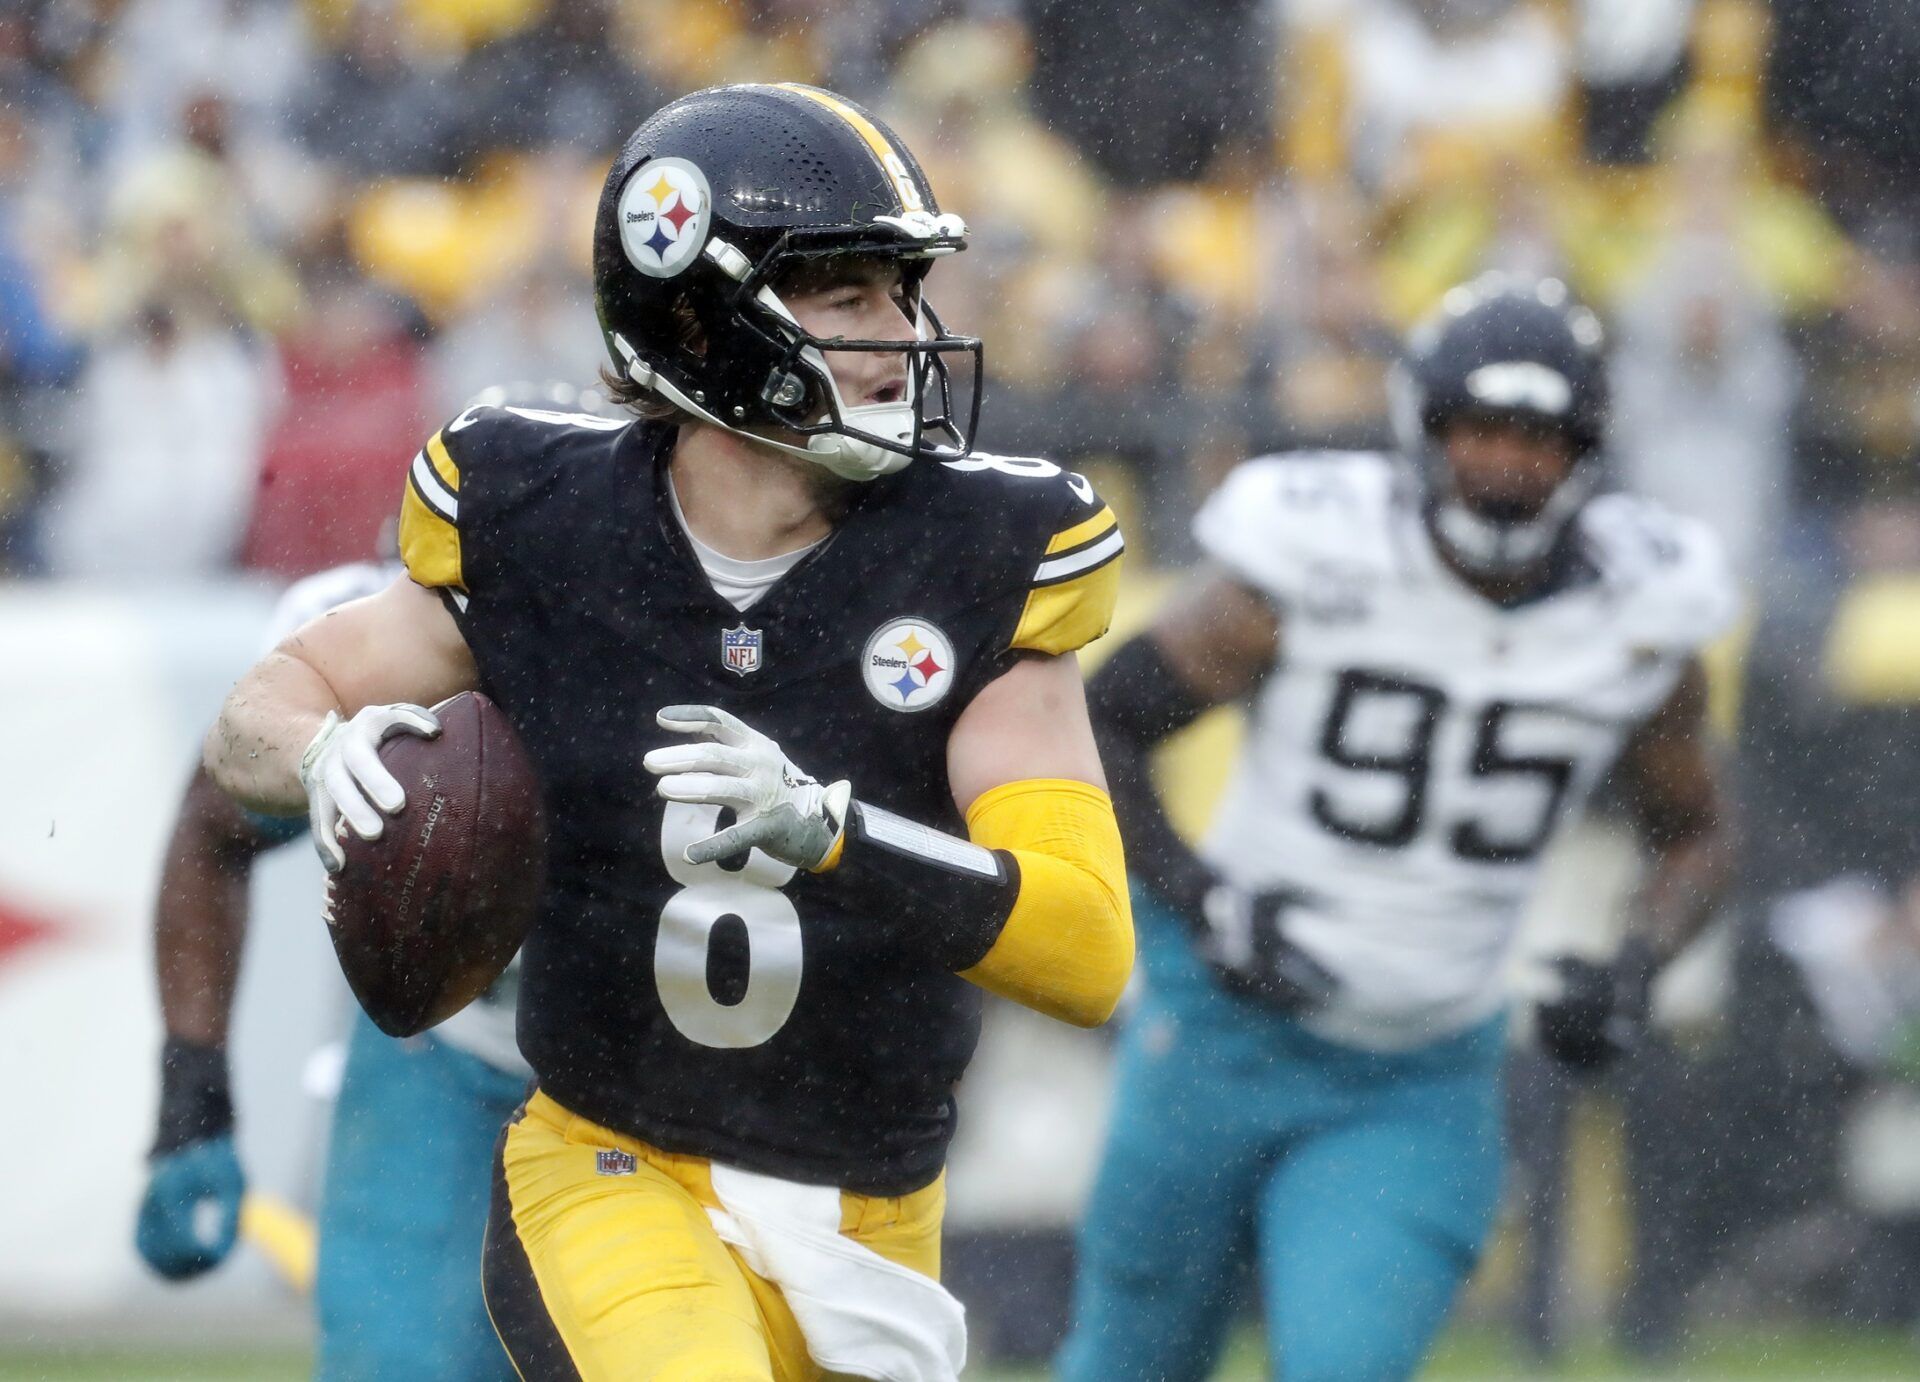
(347, 784)
(781, 811)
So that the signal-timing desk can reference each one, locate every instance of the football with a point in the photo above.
(428, 915)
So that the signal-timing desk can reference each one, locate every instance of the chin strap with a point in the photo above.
(849, 457)
(1493, 548)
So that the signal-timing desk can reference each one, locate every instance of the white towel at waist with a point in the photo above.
(860, 1314)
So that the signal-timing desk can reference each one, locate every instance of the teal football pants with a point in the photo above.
(404, 1213)
(1359, 1187)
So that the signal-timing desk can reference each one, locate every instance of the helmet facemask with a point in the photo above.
(1500, 545)
(860, 441)
(787, 385)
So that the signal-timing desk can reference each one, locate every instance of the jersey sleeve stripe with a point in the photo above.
(1081, 532)
(1071, 612)
(430, 518)
(1078, 563)
(429, 543)
(443, 462)
(435, 495)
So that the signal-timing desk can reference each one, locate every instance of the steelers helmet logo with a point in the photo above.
(908, 665)
(663, 216)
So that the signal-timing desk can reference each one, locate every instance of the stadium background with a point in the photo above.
(250, 250)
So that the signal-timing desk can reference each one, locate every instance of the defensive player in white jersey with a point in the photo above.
(1442, 652)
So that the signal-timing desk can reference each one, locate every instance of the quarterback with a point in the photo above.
(1442, 652)
(797, 669)
(405, 1202)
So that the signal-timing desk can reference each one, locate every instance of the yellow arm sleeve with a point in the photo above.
(1066, 949)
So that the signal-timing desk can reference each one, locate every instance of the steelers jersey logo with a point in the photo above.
(663, 216)
(908, 665)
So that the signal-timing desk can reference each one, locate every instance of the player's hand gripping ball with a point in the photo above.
(348, 787)
(781, 811)
(435, 821)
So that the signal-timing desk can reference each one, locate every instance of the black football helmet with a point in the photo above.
(708, 202)
(1504, 347)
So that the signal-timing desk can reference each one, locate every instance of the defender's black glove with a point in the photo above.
(190, 1214)
(1243, 938)
(1600, 1013)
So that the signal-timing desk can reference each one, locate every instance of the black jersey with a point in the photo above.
(797, 1024)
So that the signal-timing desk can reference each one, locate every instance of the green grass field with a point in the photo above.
(1805, 1356)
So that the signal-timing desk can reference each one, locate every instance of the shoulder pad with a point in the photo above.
(487, 435)
(1016, 480)
(1274, 517)
(1670, 571)
(1060, 550)
(513, 447)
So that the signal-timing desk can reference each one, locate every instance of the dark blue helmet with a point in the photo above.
(1507, 346)
(1504, 348)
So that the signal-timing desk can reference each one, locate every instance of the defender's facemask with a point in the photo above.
(1492, 542)
(1491, 537)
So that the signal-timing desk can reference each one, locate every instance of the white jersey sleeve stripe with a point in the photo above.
(433, 490)
(1086, 559)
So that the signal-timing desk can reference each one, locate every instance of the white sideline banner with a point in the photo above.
(104, 697)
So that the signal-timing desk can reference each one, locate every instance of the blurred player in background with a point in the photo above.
(748, 996)
(405, 1204)
(404, 1208)
(1444, 652)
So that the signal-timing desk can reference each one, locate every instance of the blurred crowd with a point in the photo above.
(252, 250)
(249, 248)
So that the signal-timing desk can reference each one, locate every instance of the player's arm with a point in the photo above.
(190, 1213)
(1032, 905)
(399, 647)
(200, 919)
(1212, 643)
(1056, 932)
(306, 724)
(1673, 789)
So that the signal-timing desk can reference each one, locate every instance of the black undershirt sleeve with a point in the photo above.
(195, 1101)
(1136, 700)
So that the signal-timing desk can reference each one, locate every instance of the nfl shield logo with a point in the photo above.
(740, 650)
(613, 1162)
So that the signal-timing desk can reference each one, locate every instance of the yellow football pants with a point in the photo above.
(600, 1267)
